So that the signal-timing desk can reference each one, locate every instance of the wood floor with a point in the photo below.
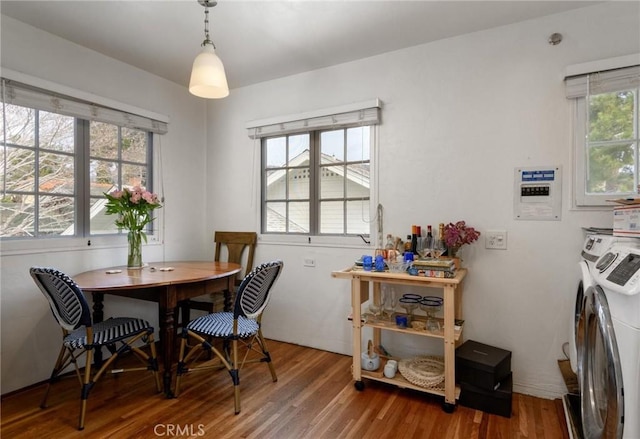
(314, 397)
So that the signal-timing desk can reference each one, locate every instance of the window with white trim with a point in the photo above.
(59, 157)
(606, 134)
(318, 181)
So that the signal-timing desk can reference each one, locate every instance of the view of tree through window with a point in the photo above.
(49, 160)
(612, 146)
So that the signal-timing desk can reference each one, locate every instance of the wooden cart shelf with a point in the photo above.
(452, 298)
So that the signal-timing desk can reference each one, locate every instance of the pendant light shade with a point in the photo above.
(208, 79)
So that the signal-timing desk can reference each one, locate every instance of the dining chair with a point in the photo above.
(237, 245)
(243, 325)
(80, 336)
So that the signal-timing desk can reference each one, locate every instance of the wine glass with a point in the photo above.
(409, 304)
(375, 309)
(424, 246)
(390, 300)
(431, 305)
(438, 248)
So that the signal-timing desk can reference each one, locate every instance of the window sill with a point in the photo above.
(57, 245)
(315, 241)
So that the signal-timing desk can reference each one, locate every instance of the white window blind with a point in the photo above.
(19, 94)
(602, 82)
(361, 114)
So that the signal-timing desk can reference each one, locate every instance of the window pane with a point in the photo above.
(358, 181)
(611, 116)
(56, 173)
(134, 145)
(358, 217)
(56, 132)
(611, 168)
(100, 222)
(17, 216)
(332, 217)
(104, 176)
(296, 190)
(133, 175)
(276, 150)
(298, 217)
(331, 182)
(299, 184)
(104, 140)
(276, 185)
(297, 146)
(55, 216)
(20, 170)
(276, 217)
(332, 145)
(21, 125)
(358, 147)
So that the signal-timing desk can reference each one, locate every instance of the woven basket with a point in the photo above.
(424, 371)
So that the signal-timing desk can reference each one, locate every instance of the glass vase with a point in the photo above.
(134, 258)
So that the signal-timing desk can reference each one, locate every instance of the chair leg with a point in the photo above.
(154, 362)
(267, 356)
(86, 388)
(235, 376)
(54, 375)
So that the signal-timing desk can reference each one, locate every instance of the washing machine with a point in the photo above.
(610, 368)
(594, 246)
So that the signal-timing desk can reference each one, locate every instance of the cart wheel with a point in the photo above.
(448, 407)
(359, 385)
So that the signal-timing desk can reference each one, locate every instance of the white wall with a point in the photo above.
(30, 336)
(460, 114)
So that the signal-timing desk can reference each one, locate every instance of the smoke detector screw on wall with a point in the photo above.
(555, 39)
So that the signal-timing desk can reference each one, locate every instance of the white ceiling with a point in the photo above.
(263, 40)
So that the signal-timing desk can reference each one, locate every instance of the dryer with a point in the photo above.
(594, 246)
(610, 390)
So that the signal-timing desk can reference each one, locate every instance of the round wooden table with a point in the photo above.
(166, 283)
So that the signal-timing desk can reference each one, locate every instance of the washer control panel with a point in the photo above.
(619, 270)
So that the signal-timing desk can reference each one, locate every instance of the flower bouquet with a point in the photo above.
(133, 207)
(458, 234)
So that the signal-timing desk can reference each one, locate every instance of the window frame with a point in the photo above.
(581, 197)
(315, 167)
(48, 244)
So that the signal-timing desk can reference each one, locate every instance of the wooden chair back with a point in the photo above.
(236, 243)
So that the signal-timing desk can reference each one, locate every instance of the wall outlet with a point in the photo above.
(309, 262)
(495, 239)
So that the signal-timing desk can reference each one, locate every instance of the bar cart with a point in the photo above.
(451, 335)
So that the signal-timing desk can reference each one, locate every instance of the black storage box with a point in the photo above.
(482, 365)
(497, 402)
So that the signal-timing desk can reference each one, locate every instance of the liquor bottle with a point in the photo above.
(441, 238)
(414, 239)
(429, 232)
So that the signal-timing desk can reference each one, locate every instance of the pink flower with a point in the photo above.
(458, 234)
(133, 207)
(149, 197)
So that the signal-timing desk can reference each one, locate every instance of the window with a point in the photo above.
(316, 174)
(607, 139)
(57, 166)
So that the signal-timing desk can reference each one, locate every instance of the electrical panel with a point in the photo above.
(538, 193)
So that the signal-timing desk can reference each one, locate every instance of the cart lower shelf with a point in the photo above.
(401, 382)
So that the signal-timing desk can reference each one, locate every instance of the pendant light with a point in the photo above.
(208, 79)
